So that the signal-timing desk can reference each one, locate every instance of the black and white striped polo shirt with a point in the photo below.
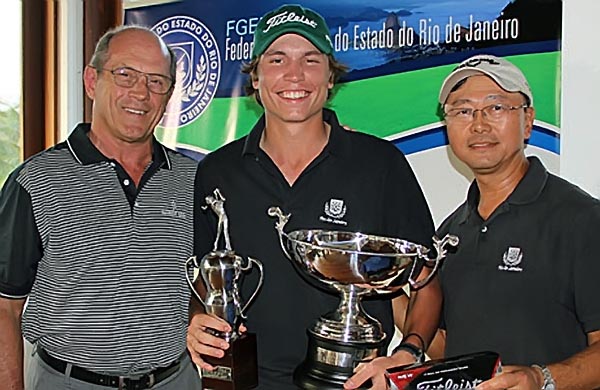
(109, 293)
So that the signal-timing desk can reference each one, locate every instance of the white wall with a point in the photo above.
(580, 135)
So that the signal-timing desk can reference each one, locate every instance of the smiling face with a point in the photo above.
(488, 146)
(293, 79)
(128, 114)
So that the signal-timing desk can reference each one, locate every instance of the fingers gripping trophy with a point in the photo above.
(220, 272)
(355, 265)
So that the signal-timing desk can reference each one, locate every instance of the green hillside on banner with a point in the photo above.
(384, 106)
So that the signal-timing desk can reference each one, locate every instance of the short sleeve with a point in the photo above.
(586, 268)
(20, 242)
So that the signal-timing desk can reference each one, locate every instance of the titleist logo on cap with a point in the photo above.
(286, 17)
(475, 62)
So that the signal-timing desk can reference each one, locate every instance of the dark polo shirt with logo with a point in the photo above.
(358, 183)
(100, 260)
(524, 283)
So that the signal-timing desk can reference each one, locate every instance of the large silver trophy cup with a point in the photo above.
(220, 272)
(355, 265)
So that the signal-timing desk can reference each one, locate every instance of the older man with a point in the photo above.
(524, 280)
(95, 232)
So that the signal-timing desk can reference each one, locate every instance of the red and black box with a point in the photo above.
(460, 372)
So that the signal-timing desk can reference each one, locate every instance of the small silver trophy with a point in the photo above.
(354, 264)
(220, 272)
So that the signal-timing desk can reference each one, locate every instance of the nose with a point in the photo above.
(140, 88)
(294, 71)
(479, 124)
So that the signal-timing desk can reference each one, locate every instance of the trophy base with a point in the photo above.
(237, 370)
(329, 364)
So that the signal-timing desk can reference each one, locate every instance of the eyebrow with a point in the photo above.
(137, 70)
(313, 52)
(489, 97)
(283, 53)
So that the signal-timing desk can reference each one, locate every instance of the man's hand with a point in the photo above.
(375, 370)
(200, 341)
(515, 377)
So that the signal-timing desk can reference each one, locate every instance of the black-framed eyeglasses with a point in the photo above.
(493, 112)
(127, 77)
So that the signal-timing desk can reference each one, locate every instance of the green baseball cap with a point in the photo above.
(292, 19)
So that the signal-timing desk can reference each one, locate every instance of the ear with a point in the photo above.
(254, 78)
(90, 77)
(529, 118)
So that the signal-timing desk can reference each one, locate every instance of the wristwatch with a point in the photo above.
(415, 351)
(549, 383)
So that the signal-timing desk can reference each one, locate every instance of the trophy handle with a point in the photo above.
(283, 219)
(189, 281)
(440, 247)
(259, 284)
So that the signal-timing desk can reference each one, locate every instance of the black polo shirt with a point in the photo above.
(524, 282)
(358, 183)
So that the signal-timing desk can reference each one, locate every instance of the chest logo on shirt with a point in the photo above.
(172, 211)
(511, 260)
(335, 210)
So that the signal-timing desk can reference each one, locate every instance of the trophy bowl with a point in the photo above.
(354, 264)
(339, 257)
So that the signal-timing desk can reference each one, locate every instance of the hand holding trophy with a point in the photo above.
(220, 272)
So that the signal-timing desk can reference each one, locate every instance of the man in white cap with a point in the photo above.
(298, 157)
(523, 281)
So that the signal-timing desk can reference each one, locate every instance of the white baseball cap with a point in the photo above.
(504, 73)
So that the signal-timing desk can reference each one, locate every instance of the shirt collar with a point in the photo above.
(527, 191)
(84, 151)
(335, 145)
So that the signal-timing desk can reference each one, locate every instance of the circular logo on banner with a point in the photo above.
(198, 68)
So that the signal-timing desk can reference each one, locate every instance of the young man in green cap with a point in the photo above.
(299, 158)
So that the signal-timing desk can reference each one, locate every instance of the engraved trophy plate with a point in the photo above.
(220, 272)
(354, 264)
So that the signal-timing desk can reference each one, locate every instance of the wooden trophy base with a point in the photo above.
(237, 370)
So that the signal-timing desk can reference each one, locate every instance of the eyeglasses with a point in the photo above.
(127, 77)
(492, 113)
